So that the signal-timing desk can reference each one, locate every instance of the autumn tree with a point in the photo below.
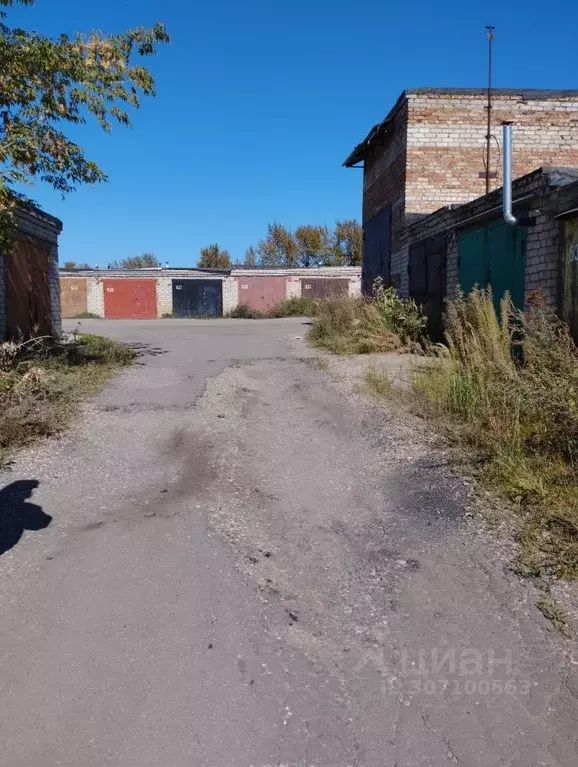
(214, 257)
(250, 257)
(74, 265)
(144, 261)
(278, 248)
(313, 245)
(47, 84)
(348, 243)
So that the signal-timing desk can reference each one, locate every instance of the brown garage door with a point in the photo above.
(126, 299)
(27, 290)
(323, 287)
(261, 293)
(73, 296)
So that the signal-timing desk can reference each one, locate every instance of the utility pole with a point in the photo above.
(490, 30)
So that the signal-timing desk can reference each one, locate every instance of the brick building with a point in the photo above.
(429, 153)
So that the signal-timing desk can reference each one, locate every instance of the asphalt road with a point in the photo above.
(249, 564)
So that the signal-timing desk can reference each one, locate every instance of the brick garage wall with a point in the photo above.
(45, 229)
(230, 294)
(95, 296)
(164, 296)
(384, 178)
(544, 191)
(446, 141)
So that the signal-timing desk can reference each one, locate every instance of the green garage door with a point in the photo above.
(494, 255)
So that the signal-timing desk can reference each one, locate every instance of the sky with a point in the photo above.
(258, 104)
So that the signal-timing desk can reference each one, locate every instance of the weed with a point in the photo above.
(378, 383)
(554, 613)
(43, 383)
(87, 316)
(508, 386)
(244, 312)
(383, 323)
(294, 307)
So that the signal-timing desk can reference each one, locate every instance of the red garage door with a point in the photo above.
(261, 293)
(130, 299)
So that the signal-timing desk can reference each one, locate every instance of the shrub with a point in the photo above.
(383, 323)
(294, 307)
(244, 312)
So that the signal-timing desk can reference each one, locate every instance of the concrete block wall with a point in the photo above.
(542, 265)
(293, 287)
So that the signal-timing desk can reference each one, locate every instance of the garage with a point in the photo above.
(73, 296)
(198, 298)
(323, 288)
(27, 296)
(262, 293)
(130, 299)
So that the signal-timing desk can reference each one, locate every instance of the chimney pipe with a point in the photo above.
(509, 218)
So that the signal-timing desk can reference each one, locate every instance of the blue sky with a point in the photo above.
(259, 103)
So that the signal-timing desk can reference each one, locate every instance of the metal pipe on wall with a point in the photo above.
(509, 217)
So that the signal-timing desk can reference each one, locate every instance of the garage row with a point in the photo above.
(154, 293)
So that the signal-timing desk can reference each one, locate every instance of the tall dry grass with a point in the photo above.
(508, 385)
(382, 323)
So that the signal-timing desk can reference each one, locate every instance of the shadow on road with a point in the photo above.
(16, 515)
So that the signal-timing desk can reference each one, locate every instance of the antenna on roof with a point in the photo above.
(488, 174)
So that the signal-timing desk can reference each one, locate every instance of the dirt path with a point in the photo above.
(274, 572)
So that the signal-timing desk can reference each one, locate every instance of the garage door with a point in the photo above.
(28, 308)
(198, 298)
(130, 299)
(323, 288)
(73, 296)
(262, 293)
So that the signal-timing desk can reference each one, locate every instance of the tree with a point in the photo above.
(313, 245)
(250, 257)
(74, 265)
(214, 257)
(45, 83)
(279, 247)
(144, 261)
(348, 243)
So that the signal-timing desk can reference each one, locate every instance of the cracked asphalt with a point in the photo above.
(251, 564)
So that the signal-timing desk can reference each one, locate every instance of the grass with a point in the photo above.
(383, 323)
(42, 385)
(506, 385)
(378, 383)
(289, 307)
(86, 316)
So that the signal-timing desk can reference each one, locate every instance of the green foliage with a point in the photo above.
(144, 261)
(402, 317)
(47, 83)
(74, 265)
(250, 257)
(278, 248)
(294, 307)
(348, 243)
(308, 246)
(508, 386)
(214, 257)
(244, 312)
(313, 245)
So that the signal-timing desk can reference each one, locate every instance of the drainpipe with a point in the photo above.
(509, 218)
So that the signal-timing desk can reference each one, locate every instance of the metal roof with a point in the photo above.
(383, 128)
